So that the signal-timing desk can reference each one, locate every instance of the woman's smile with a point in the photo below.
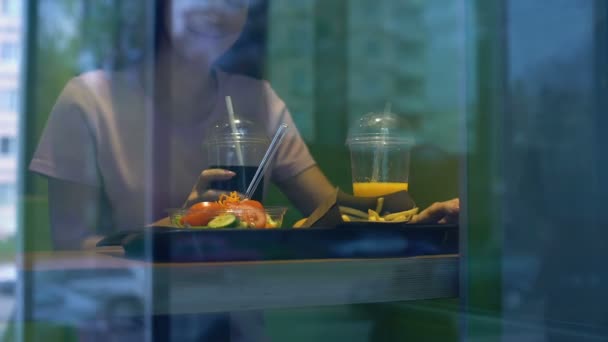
(205, 23)
(204, 30)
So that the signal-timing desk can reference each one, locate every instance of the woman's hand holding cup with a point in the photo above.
(201, 191)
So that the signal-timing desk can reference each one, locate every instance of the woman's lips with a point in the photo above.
(205, 24)
(209, 31)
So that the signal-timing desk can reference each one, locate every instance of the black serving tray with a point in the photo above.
(349, 240)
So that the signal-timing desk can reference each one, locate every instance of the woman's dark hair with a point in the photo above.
(161, 23)
(245, 57)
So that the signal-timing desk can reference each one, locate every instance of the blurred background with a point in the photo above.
(507, 101)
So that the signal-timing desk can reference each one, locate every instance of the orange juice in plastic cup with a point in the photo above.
(375, 189)
(379, 145)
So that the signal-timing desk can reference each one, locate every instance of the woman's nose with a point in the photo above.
(213, 4)
(209, 6)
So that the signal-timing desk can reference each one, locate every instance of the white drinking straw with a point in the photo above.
(239, 152)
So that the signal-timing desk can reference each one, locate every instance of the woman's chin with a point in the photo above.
(201, 52)
(197, 55)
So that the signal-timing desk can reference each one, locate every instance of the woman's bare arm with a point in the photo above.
(307, 189)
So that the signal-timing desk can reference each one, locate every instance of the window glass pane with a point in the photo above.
(9, 52)
(10, 94)
(124, 111)
(534, 240)
(131, 131)
(7, 146)
(10, 7)
(7, 194)
(8, 100)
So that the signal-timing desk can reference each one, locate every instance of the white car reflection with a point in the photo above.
(110, 298)
(8, 279)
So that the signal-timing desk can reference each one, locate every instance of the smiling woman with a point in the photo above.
(131, 162)
(119, 148)
(204, 30)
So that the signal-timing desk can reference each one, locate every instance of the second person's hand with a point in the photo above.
(439, 212)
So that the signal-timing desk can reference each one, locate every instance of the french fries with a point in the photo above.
(299, 223)
(353, 212)
(379, 204)
(374, 216)
(405, 215)
(354, 215)
(349, 214)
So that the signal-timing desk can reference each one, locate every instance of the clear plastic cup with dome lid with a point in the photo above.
(380, 146)
(236, 144)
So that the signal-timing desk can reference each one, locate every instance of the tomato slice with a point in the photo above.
(252, 203)
(252, 215)
(205, 205)
(201, 213)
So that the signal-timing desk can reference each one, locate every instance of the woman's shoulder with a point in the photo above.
(102, 81)
(82, 91)
(94, 77)
(96, 95)
(97, 88)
